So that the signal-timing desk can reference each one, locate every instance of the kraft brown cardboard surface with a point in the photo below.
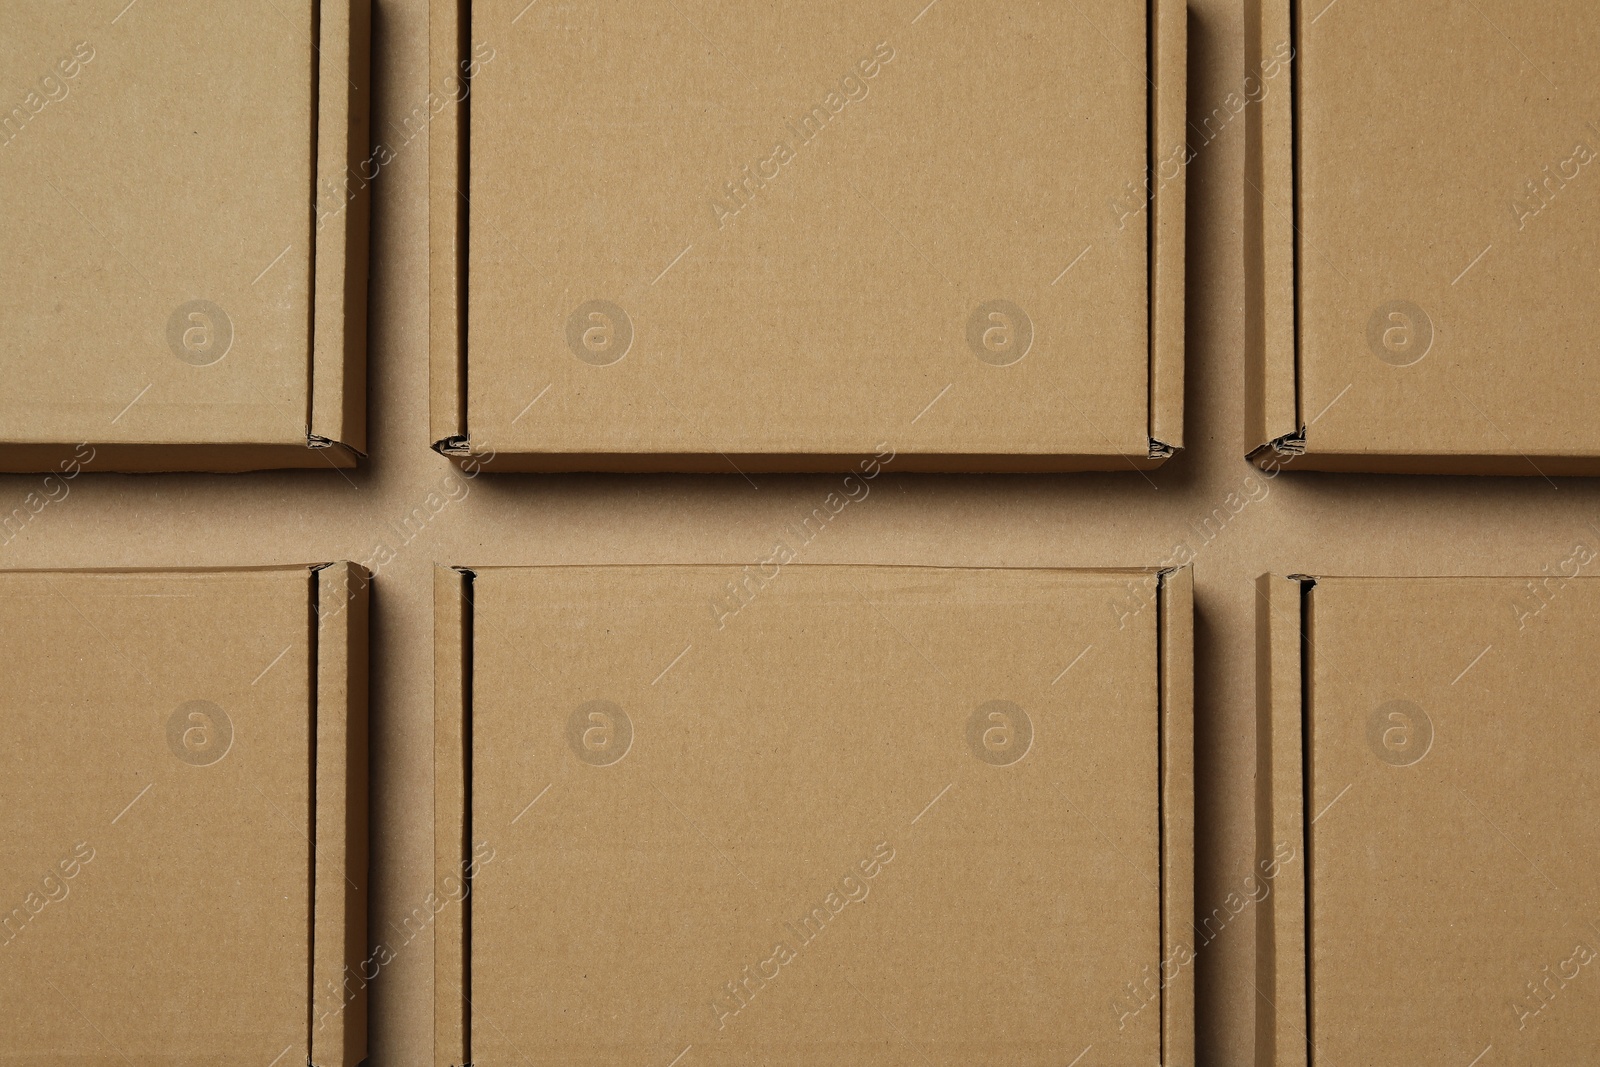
(186, 800)
(1424, 238)
(186, 809)
(171, 303)
(875, 814)
(408, 509)
(778, 242)
(1432, 744)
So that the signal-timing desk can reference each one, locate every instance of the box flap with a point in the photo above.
(1168, 178)
(344, 196)
(452, 842)
(1281, 1025)
(341, 965)
(450, 66)
(1273, 426)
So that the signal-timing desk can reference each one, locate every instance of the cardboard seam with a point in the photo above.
(450, 34)
(1175, 805)
(1307, 647)
(1272, 406)
(1166, 115)
(1282, 928)
(452, 811)
(313, 241)
(336, 397)
(315, 695)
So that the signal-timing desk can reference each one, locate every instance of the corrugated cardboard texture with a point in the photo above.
(1444, 237)
(158, 162)
(904, 748)
(409, 509)
(1450, 786)
(780, 241)
(164, 802)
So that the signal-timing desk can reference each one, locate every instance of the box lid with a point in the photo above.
(1442, 255)
(905, 815)
(1449, 743)
(161, 252)
(703, 234)
(186, 791)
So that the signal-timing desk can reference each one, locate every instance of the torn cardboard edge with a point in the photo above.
(449, 160)
(452, 801)
(1278, 433)
(336, 421)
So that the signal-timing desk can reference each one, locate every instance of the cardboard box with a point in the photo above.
(710, 236)
(1422, 235)
(183, 265)
(845, 814)
(185, 803)
(1427, 796)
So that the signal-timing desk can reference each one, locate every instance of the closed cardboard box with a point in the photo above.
(1423, 235)
(1428, 788)
(183, 263)
(184, 797)
(712, 235)
(845, 814)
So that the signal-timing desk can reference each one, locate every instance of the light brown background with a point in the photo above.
(1304, 522)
